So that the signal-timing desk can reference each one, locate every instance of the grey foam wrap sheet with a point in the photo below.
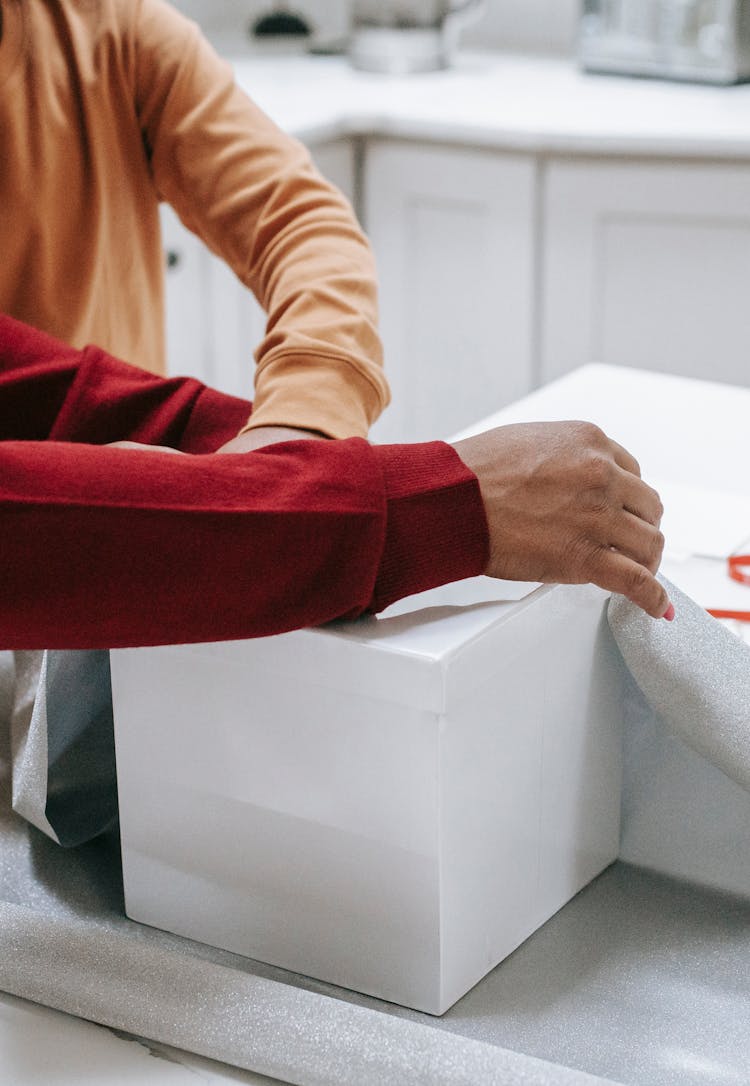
(694, 673)
(65, 941)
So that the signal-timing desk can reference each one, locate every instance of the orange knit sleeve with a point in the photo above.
(253, 195)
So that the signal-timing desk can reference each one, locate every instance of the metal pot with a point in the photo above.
(404, 36)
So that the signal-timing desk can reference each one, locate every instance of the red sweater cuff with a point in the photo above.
(436, 527)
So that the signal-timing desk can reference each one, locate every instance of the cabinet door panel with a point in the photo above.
(186, 300)
(335, 160)
(647, 265)
(452, 231)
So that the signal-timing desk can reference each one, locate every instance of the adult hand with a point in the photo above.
(268, 435)
(565, 504)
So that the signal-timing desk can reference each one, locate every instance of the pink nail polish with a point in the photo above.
(669, 613)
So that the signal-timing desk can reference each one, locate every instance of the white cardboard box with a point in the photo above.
(392, 805)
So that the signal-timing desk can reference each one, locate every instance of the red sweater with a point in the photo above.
(104, 548)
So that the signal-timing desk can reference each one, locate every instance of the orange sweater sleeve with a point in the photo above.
(253, 195)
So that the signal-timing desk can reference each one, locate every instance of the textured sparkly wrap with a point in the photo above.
(694, 674)
(65, 941)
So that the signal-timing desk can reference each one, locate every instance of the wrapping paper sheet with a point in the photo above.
(65, 942)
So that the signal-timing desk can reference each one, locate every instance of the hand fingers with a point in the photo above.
(640, 499)
(624, 459)
(637, 539)
(616, 572)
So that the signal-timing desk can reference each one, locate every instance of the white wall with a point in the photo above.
(533, 25)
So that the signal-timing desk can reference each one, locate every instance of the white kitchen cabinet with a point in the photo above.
(213, 322)
(453, 234)
(187, 291)
(647, 264)
(500, 270)
(336, 161)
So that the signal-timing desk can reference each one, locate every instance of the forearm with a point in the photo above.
(105, 547)
(108, 547)
(253, 195)
(319, 365)
(50, 391)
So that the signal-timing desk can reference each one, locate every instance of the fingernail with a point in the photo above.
(669, 613)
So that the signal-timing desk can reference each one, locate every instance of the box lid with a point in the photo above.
(418, 652)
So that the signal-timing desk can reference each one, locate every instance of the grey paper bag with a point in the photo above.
(62, 741)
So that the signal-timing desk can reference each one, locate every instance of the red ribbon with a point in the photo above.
(739, 570)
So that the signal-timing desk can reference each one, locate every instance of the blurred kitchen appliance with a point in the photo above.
(398, 37)
(705, 41)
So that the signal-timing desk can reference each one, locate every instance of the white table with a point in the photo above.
(690, 438)
(681, 431)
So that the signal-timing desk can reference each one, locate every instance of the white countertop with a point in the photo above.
(503, 101)
(39, 1046)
